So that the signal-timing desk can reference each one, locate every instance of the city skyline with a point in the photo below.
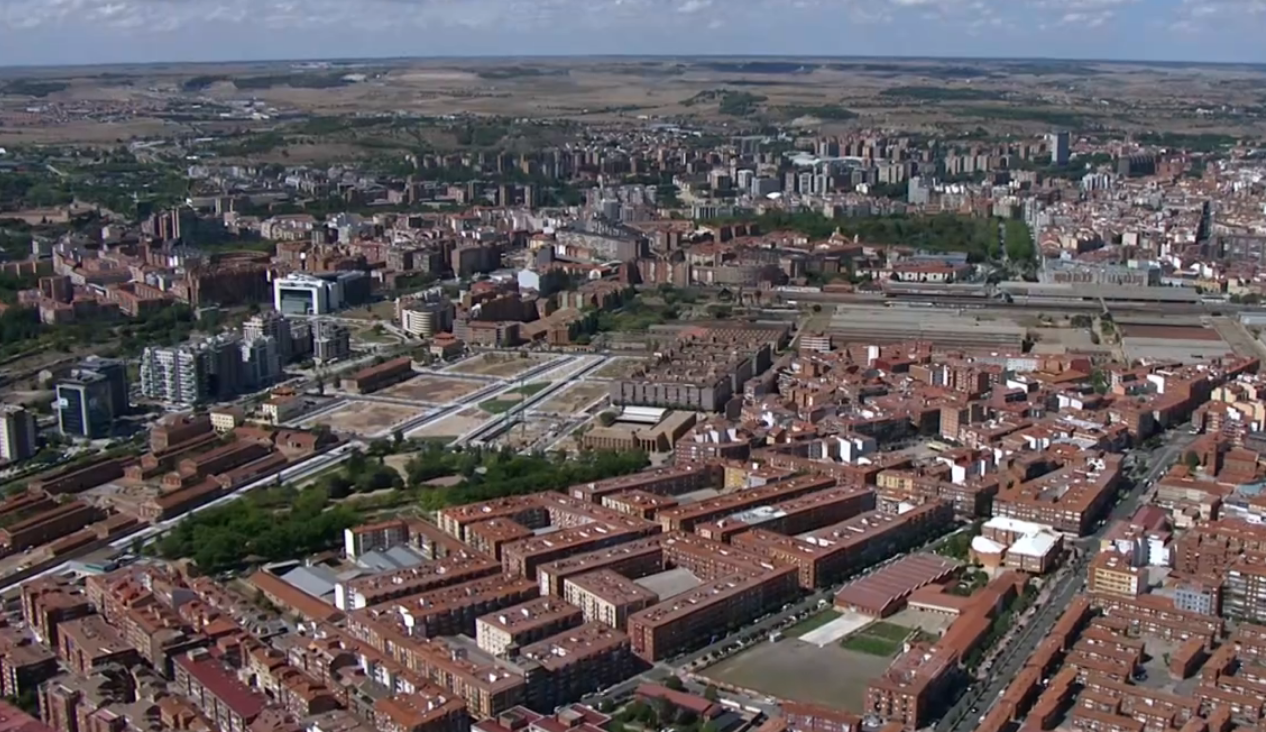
(58, 32)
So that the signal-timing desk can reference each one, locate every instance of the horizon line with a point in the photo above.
(364, 60)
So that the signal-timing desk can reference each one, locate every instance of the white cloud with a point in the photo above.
(1196, 15)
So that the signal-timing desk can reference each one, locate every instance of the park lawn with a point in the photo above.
(870, 645)
(531, 389)
(811, 623)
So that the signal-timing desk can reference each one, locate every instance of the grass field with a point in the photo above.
(811, 623)
(877, 639)
(890, 631)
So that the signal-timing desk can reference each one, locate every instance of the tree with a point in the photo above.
(1192, 459)
(711, 693)
(674, 683)
(606, 419)
(356, 461)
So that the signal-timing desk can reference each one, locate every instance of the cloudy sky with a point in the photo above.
(103, 31)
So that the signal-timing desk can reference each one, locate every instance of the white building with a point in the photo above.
(174, 375)
(301, 294)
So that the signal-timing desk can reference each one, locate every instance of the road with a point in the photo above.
(966, 712)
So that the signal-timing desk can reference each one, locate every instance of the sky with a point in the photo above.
(47, 32)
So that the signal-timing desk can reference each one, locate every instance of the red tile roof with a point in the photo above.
(222, 685)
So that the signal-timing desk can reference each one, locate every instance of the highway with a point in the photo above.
(965, 714)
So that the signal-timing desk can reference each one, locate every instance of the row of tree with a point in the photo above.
(283, 522)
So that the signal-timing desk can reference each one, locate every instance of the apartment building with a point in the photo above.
(686, 518)
(524, 556)
(527, 511)
(1112, 574)
(632, 559)
(1156, 616)
(794, 516)
(1208, 548)
(374, 537)
(449, 610)
(565, 667)
(1071, 499)
(639, 503)
(1244, 589)
(606, 597)
(491, 535)
(506, 632)
(428, 708)
(668, 481)
(453, 569)
(89, 643)
(48, 602)
(25, 663)
(914, 687)
(216, 692)
(709, 611)
(825, 556)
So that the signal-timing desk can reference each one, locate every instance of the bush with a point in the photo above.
(498, 473)
(224, 537)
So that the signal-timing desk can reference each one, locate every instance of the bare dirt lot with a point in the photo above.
(572, 398)
(794, 669)
(499, 365)
(617, 368)
(432, 389)
(454, 426)
(367, 418)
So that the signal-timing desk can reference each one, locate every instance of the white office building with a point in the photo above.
(301, 294)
